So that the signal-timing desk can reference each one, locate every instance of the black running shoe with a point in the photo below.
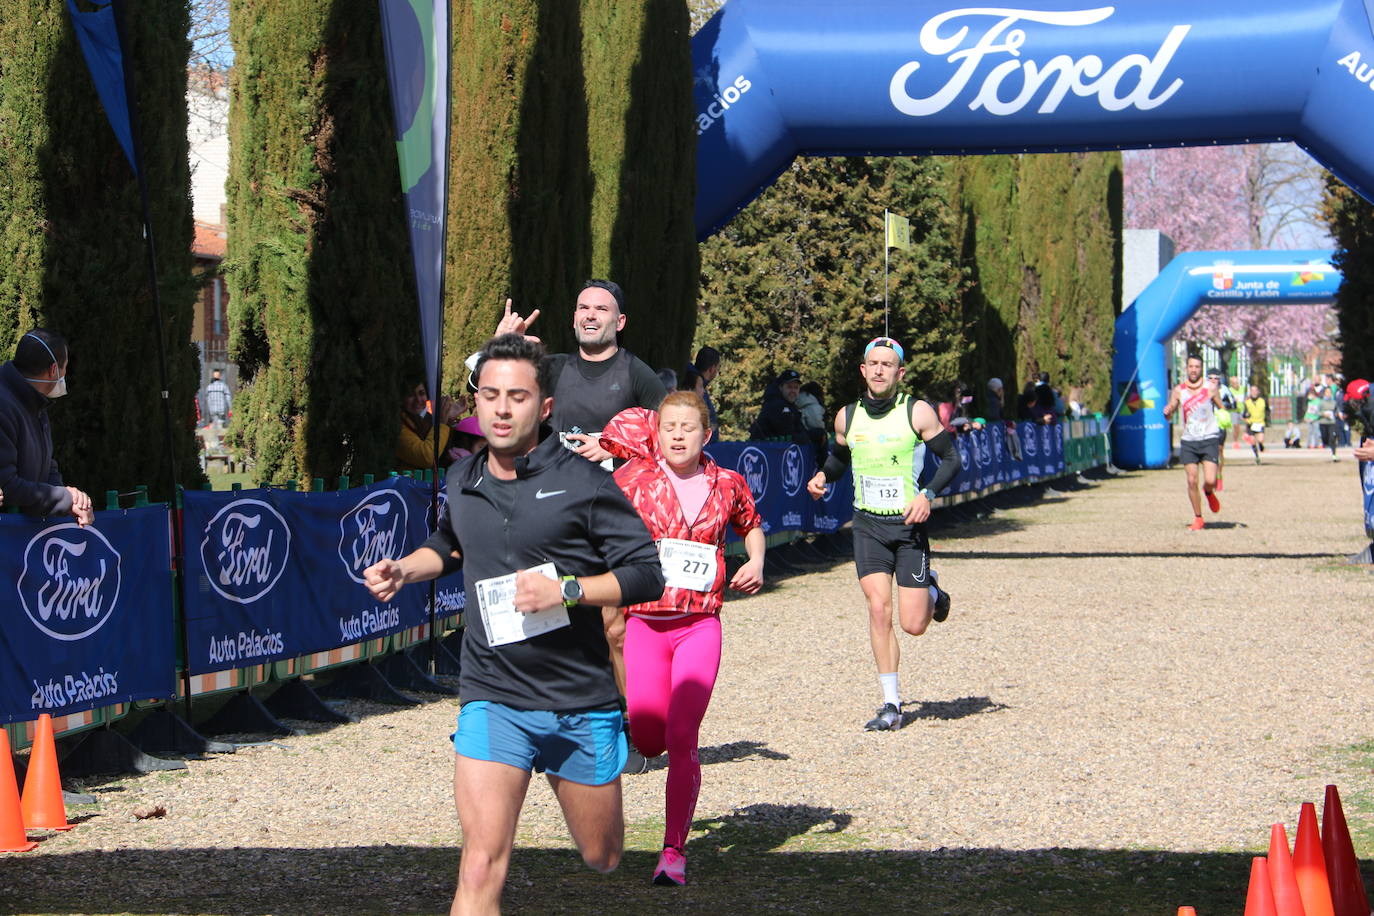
(941, 603)
(635, 764)
(889, 718)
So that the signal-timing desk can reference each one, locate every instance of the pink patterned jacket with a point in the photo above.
(633, 434)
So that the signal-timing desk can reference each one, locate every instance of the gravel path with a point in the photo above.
(1107, 679)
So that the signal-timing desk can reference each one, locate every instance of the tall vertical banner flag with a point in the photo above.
(898, 231)
(98, 34)
(416, 36)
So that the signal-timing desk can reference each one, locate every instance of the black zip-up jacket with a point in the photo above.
(28, 473)
(567, 511)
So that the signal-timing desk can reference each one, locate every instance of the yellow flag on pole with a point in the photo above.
(898, 231)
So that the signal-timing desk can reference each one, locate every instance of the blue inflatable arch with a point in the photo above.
(1140, 385)
(779, 78)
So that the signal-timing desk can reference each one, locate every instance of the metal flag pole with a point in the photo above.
(885, 268)
(150, 247)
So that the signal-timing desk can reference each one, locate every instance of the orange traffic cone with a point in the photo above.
(42, 801)
(1342, 869)
(1287, 900)
(12, 837)
(1309, 865)
(1260, 899)
(1186, 911)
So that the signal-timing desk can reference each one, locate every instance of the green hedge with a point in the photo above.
(323, 321)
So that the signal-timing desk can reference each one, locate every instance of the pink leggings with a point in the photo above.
(670, 671)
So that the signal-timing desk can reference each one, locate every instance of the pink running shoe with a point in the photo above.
(1212, 502)
(672, 868)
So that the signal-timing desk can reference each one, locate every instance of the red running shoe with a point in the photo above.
(1197, 524)
(1212, 502)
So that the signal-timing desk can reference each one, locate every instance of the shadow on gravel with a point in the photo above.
(736, 868)
(724, 753)
(764, 827)
(961, 708)
(1126, 555)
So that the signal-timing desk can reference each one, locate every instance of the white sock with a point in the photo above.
(889, 684)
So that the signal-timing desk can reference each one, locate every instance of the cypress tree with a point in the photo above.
(796, 280)
(642, 156)
(1350, 220)
(72, 255)
(519, 192)
(322, 313)
(1040, 236)
(573, 156)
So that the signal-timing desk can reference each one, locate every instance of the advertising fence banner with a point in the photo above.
(273, 574)
(777, 472)
(91, 613)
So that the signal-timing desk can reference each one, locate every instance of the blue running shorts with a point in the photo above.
(583, 747)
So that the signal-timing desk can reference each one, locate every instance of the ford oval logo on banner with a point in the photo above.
(373, 530)
(245, 550)
(70, 583)
(1028, 441)
(753, 465)
(792, 470)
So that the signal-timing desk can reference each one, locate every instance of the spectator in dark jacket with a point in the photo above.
(29, 476)
(993, 413)
(780, 416)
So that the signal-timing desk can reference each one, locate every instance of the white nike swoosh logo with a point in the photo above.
(542, 495)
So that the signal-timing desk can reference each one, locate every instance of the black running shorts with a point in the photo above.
(885, 544)
(1192, 451)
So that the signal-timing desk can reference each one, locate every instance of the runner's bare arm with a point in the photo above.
(1170, 407)
(536, 591)
(386, 577)
(749, 577)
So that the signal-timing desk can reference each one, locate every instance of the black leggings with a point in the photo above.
(1329, 436)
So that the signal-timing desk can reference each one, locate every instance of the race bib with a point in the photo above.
(882, 492)
(504, 624)
(687, 564)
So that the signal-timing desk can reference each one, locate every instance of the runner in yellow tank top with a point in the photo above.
(1256, 409)
(885, 434)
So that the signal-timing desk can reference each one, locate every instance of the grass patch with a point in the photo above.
(227, 481)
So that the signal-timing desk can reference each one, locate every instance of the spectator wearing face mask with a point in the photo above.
(29, 383)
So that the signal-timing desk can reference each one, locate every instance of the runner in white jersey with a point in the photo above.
(1198, 400)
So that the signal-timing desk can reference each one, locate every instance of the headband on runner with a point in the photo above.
(886, 342)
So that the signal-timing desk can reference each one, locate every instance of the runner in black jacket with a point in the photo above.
(544, 538)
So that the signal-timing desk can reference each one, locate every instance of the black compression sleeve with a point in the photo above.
(943, 445)
(836, 463)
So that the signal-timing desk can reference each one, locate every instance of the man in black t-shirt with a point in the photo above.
(602, 378)
(590, 386)
(544, 539)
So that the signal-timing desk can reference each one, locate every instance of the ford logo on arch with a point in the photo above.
(245, 550)
(70, 583)
(373, 530)
(753, 466)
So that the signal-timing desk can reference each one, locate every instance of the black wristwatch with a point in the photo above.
(572, 591)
